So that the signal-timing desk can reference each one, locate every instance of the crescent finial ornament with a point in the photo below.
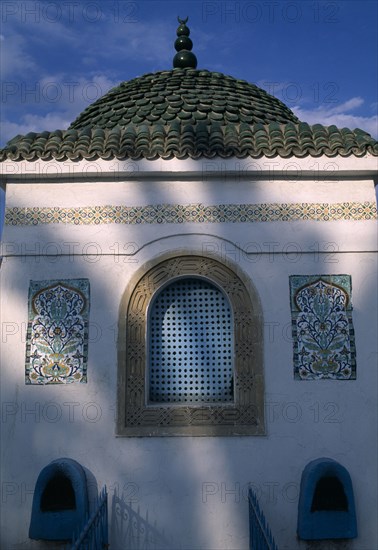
(182, 21)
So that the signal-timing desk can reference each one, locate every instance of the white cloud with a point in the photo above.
(14, 57)
(62, 99)
(340, 116)
(349, 105)
(133, 44)
(24, 50)
(72, 94)
(32, 123)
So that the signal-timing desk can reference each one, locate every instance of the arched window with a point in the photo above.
(190, 351)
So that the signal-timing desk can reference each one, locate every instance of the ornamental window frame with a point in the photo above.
(245, 414)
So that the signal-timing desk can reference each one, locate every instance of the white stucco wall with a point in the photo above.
(191, 492)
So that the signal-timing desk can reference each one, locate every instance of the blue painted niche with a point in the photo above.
(326, 507)
(60, 502)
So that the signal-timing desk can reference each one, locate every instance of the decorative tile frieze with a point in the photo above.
(191, 213)
(57, 335)
(323, 334)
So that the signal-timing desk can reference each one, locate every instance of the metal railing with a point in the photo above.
(260, 535)
(132, 528)
(94, 534)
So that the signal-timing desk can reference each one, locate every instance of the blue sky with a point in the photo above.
(57, 57)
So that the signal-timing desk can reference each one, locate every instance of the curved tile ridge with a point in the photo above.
(178, 140)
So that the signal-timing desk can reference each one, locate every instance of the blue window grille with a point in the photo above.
(191, 344)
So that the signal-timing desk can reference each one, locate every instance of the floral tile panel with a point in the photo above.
(323, 334)
(57, 335)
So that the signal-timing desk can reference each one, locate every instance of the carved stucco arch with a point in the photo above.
(243, 416)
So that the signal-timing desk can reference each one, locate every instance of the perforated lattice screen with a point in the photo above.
(190, 344)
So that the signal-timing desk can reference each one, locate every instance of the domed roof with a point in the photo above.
(188, 113)
(188, 96)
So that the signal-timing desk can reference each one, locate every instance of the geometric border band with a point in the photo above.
(191, 213)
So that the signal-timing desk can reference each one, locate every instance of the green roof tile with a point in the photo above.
(166, 93)
(188, 113)
(181, 140)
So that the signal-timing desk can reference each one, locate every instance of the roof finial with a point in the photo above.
(184, 57)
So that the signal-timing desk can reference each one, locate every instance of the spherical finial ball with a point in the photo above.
(183, 30)
(184, 59)
(183, 43)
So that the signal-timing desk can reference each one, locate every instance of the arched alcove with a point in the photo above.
(326, 503)
(60, 502)
(58, 495)
(329, 495)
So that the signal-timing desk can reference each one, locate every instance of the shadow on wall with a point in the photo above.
(2, 210)
(128, 529)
